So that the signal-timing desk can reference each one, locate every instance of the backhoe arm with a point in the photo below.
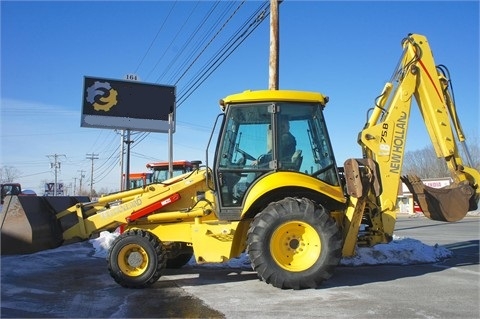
(383, 138)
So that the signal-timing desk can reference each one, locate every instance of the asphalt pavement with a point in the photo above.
(73, 284)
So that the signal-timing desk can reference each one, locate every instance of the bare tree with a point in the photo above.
(425, 164)
(104, 191)
(473, 145)
(9, 174)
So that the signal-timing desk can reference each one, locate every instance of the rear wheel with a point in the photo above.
(136, 259)
(294, 244)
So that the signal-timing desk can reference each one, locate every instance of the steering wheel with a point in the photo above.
(322, 170)
(246, 155)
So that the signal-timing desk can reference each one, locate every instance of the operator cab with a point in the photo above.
(265, 137)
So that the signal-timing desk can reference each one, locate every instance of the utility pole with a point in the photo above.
(56, 166)
(91, 157)
(82, 175)
(74, 186)
(274, 44)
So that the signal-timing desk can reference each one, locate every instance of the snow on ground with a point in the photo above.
(400, 251)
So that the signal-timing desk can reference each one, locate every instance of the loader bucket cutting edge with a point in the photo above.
(447, 204)
(29, 223)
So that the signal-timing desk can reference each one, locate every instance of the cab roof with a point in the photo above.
(174, 163)
(274, 95)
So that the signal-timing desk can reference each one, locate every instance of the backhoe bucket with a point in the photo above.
(28, 223)
(447, 204)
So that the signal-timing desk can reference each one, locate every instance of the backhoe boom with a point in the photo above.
(384, 136)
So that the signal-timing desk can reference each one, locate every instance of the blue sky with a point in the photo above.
(346, 50)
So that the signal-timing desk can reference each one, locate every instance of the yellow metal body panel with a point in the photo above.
(353, 219)
(384, 136)
(275, 95)
(212, 240)
(187, 219)
(277, 180)
(113, 210)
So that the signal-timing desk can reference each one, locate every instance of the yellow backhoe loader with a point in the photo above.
(275, 191)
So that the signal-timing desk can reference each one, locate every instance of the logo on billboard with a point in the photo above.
(102, 96)
(128, 105)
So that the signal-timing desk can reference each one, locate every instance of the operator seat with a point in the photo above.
(297, 159)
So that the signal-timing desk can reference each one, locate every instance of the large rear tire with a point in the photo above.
(136, 259)
(294, 244)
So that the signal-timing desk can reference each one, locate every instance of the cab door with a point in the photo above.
(246, 134)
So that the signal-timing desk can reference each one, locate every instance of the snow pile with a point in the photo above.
(401, 251)
(103, 242)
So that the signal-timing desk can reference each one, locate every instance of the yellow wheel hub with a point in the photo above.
(295, 246)
(133, 260)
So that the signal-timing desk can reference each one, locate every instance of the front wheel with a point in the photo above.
(294, 244)
(136, 259)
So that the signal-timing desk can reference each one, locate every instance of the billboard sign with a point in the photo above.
(50, 189)
(130, 105)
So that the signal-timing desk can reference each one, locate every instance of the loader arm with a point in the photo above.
(384, 136)
(114, 210)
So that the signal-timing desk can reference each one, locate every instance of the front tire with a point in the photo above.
(136, 259)
(294, 244)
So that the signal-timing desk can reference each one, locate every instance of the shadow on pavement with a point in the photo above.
(73, 284)
(464, 253)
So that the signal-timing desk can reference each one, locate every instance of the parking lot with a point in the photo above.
(70, 282)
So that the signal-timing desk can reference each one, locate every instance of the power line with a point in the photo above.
(209, 42)
(155, 38)
(200, 41)
(173, 40)
(108, 165)
(225, 52)
(34, 174)
(188, 42)
(206, 71)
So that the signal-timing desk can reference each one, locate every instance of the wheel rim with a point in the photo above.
(295, 246)
(133, 260)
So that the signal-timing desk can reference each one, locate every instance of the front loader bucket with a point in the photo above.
(29, 224)
(447, 204)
